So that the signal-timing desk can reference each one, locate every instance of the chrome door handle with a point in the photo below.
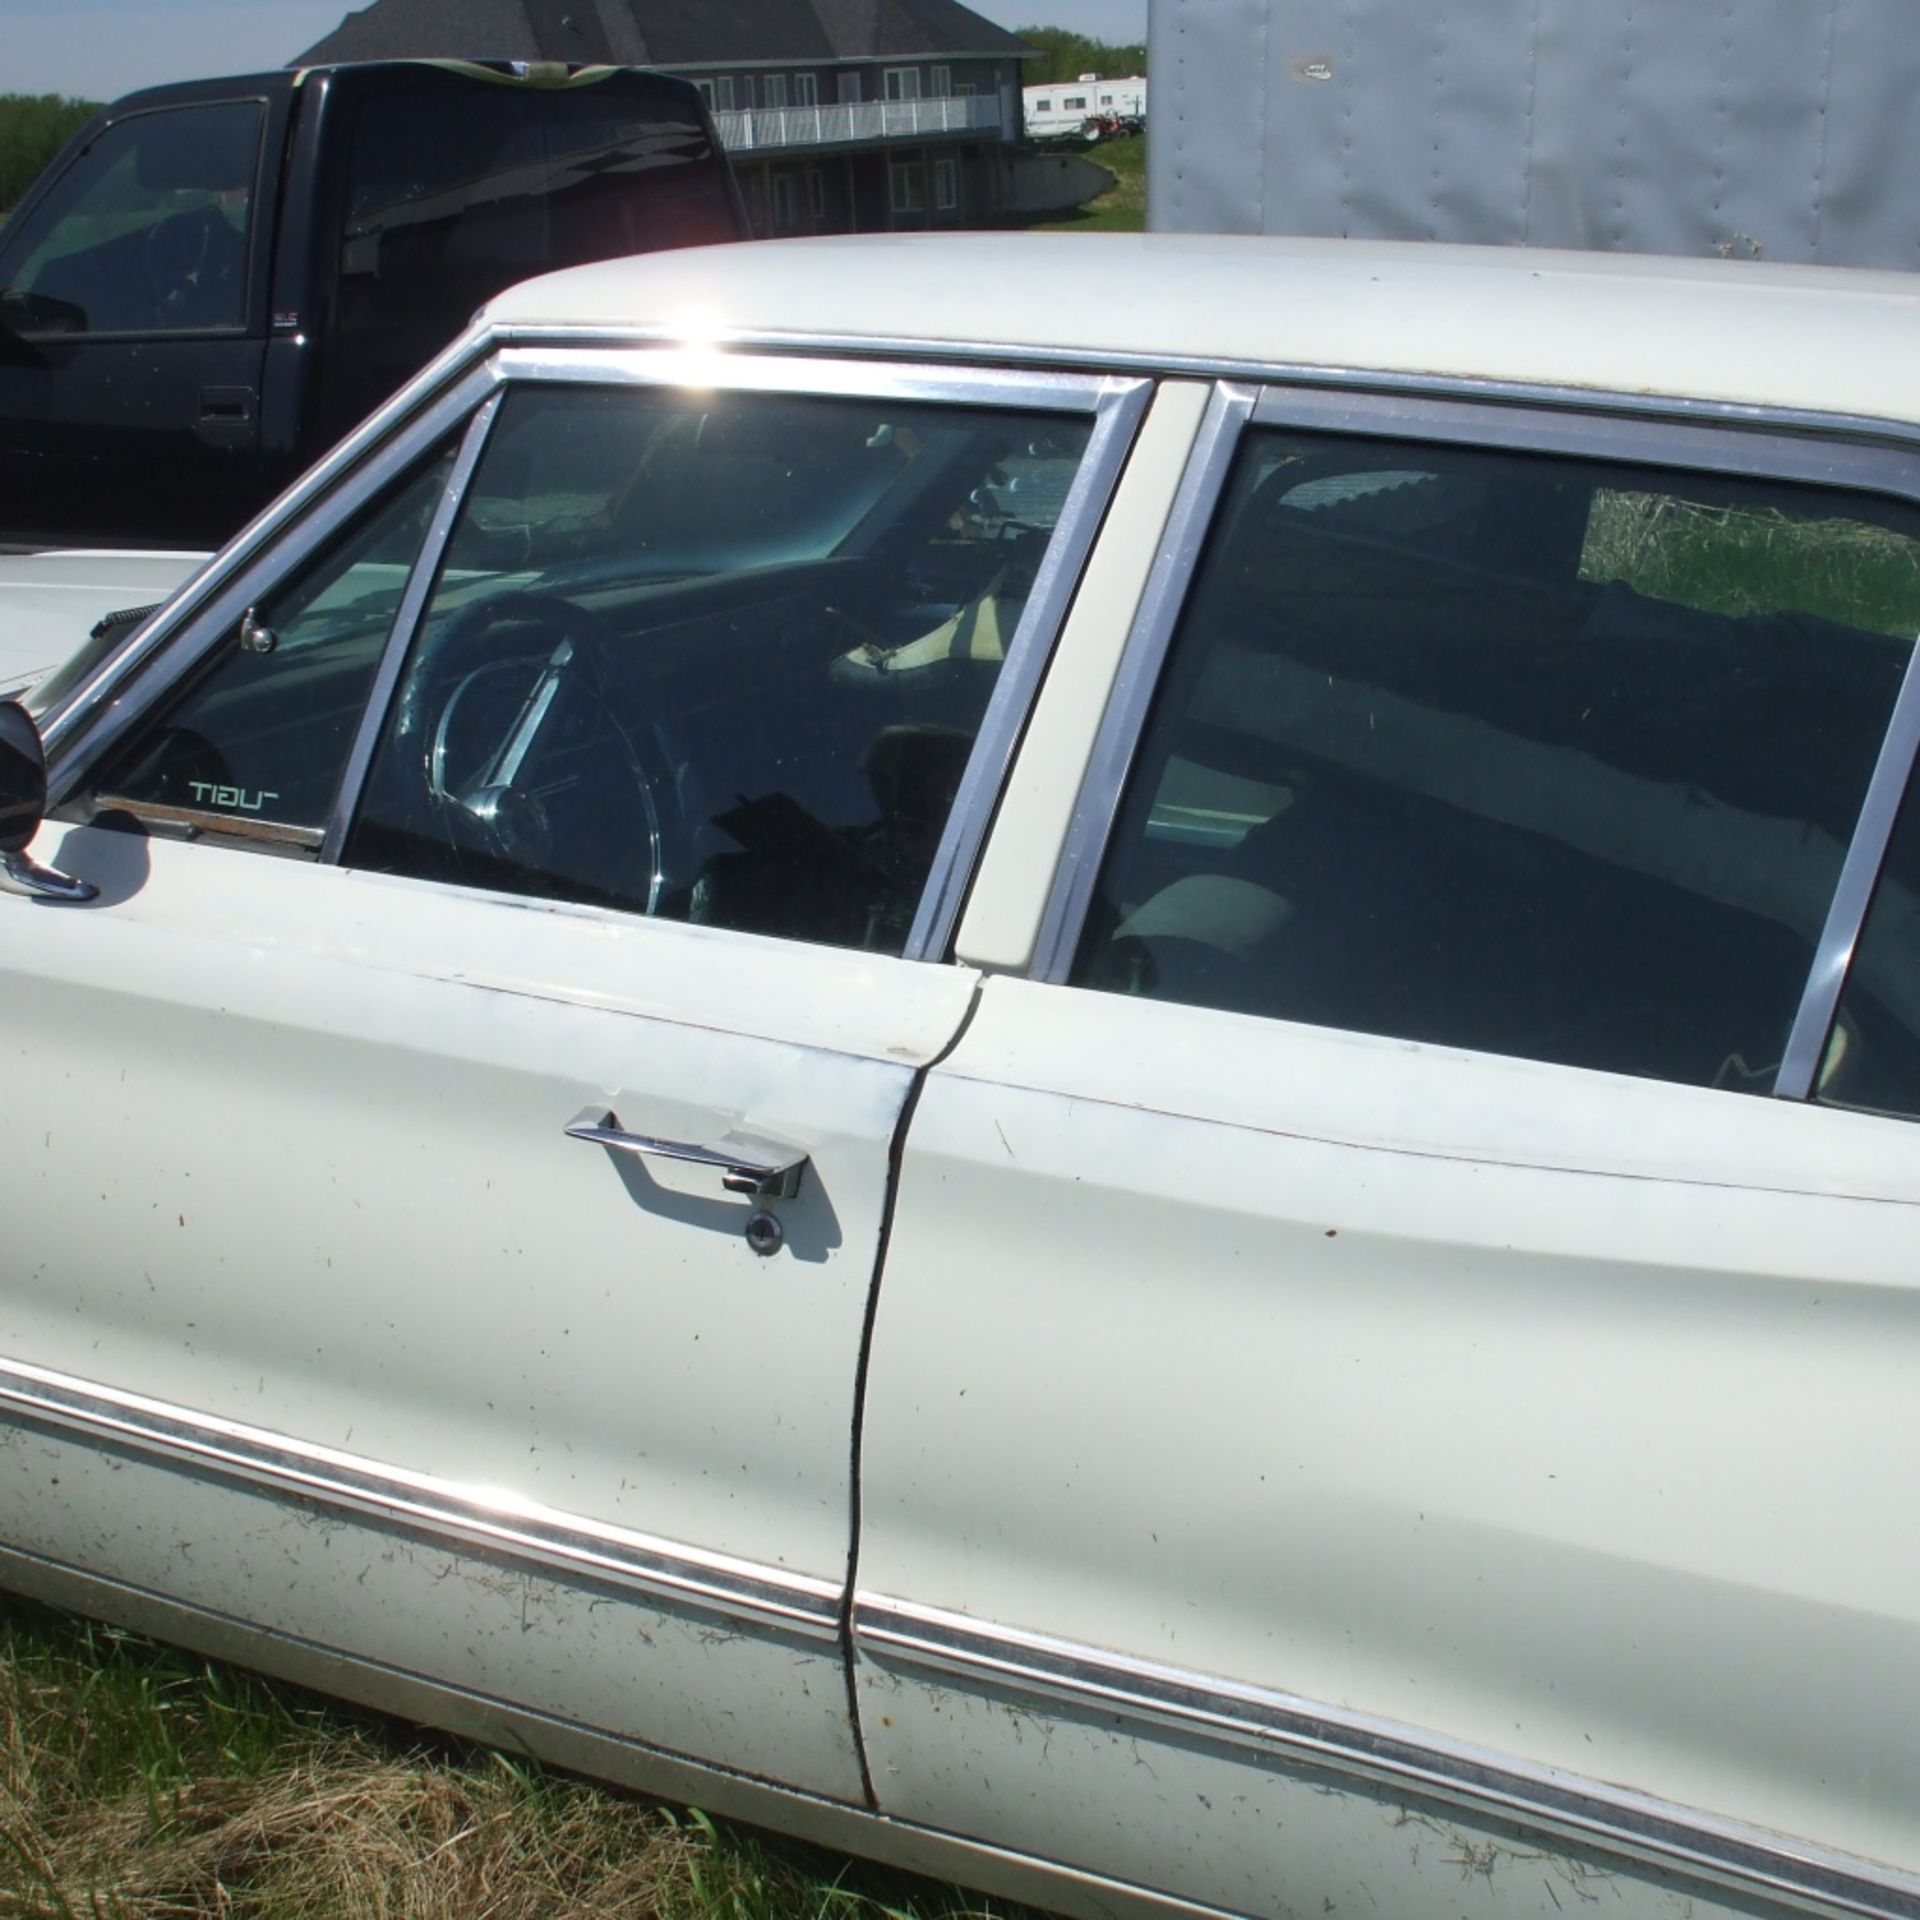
(749, 1164)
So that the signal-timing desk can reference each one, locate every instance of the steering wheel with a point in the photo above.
(507, 710)
(182, 266)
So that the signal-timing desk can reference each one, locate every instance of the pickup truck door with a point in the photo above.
(451, 1258)
(1368, 1411)
(134, 291)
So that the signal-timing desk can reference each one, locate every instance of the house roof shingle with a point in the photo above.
(662, 33)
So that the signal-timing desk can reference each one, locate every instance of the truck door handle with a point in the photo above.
(768, 1169)
(228, 417)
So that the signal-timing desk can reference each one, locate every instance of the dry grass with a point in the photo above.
(137, 1783)
(1740, 560)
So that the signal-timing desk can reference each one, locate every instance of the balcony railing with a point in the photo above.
(841, 126)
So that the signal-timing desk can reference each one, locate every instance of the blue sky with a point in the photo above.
(95, 49)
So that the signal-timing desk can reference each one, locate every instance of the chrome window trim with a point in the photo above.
(1755, 448)
(1295, 375)
(413, 603)
(1229, 408)
(1121, 406)
(429, 403)
(1852, 894)
(1235, 1715)
(700, 368)
(569, 1545)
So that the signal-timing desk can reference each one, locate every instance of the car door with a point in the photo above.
(442, 1224)
(133, 291)
(1386, 1375)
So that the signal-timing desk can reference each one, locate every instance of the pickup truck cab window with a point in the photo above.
(146, 232)
(1511, 751)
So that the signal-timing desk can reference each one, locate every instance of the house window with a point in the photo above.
(723, 93)
(942, 82)
(903, 83)
(847, 84)
(965, 90)
(747, 99)
(817, 193)
(806, 90)
(946, 184)
(908, 182)
(786, 202)
(706, 93)
(773, 90)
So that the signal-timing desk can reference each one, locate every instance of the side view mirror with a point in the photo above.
(23, 804)
(35, 313)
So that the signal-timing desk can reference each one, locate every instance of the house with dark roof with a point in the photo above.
(840, 116)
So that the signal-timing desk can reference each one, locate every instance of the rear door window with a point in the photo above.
(1517, 752)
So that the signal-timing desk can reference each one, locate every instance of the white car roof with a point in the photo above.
(1821, 339)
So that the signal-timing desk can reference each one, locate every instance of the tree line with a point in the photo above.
(1068, 55)
(33, 128)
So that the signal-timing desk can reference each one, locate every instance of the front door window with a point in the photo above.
(146, 232)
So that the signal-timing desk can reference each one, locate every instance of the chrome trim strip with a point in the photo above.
(726, 370)
(413, 603)
(1728, 1852)
(714, 1785)
(428, 389)
(1853, 893)
(1596, 400)
(1524, 424)
(1228, 410)
(98, 715)
(1117, 415)
(226, 826)
(566, 1544)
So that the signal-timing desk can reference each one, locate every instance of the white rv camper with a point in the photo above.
(1088, 107)
(1776, 129)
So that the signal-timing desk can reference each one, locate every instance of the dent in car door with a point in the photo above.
(422, 1315)
(1360, 1463)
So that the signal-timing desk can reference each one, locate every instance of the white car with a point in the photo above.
(1115, 1096)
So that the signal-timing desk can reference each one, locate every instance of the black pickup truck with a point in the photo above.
(213, 281)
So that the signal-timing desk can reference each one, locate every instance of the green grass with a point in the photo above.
(1123, 208)
(141, 1783)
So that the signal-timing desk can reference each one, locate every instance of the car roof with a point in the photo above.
(1819, 339)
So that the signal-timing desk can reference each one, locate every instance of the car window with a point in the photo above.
(257, 742)
(146, 231)
(715, 656)
(1514, 752)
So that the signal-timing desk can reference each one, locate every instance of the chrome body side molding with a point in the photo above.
(586, 1749)
(1730, 1854)
(563, 1544)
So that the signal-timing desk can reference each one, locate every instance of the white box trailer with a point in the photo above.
(1783, 129)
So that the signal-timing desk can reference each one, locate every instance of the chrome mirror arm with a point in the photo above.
(22, 874)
